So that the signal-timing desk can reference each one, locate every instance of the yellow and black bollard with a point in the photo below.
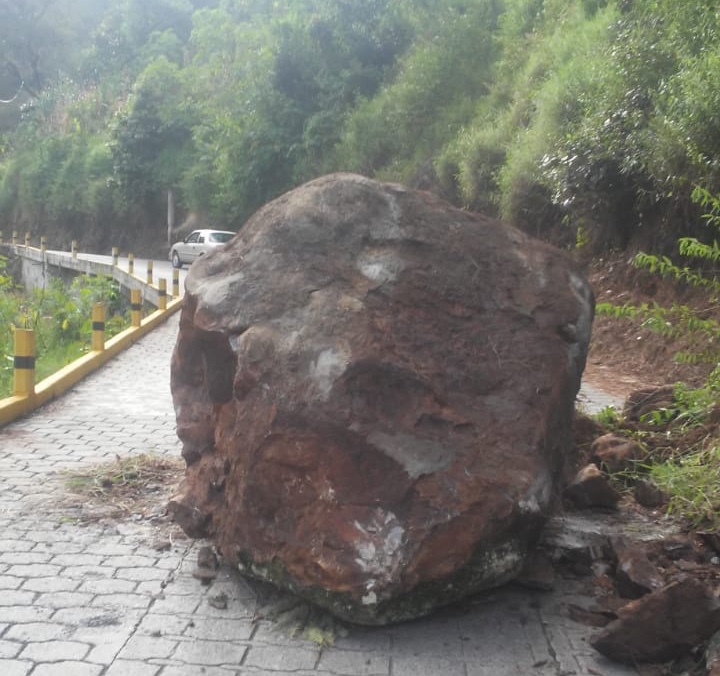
(27, 239)
(43, 244)
(150, 272)
(98, 327)
(162, 294)
(115, 254)
(176, 283)
(14, 237)
(73, 249)
(131, 264)
(135, 307)
(1, 237)
(24, 363)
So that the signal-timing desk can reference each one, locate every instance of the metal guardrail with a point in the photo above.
(27, 395)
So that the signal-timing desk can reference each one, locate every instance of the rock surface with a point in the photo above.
(635, 574)
(662, 625)
(375, 394)
(591, 489)
(615, 453)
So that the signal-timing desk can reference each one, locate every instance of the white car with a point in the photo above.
(196, 244)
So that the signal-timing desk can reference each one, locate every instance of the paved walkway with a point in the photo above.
(91, 598)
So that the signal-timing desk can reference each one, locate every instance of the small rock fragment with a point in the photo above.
(207, 558)
(590, 488)
(635, 575)
(711, 539)
(662, 625)
(647, 494)
(162, 545)
(678, 548)
(615, 453)
(207, 565)
(219, 601)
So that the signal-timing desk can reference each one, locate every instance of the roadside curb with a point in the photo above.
(12, 408)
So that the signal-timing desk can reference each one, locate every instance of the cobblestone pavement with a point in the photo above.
(90, 597)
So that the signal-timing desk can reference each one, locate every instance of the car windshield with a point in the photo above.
(221, 236)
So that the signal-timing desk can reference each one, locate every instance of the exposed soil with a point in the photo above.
(625, 356)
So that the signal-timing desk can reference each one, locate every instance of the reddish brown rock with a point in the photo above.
(635, 574)
(375, 392)
(647, 494)
(662, 625)
(615, 453)
(591, 489)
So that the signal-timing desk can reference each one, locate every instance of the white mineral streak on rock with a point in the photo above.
(289, 340)
(327, 368)
(388, 228)
(214, 290)
(379, 550)
(538, 497)
(234, 341)
(417, 456)
(380, 266)
(583, 326)
(369, 599)
(504, 560)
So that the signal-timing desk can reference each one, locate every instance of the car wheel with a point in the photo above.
(176, 262)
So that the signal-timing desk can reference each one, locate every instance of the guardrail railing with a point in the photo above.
(28, 395)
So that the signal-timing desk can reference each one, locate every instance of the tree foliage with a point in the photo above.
(588, 121)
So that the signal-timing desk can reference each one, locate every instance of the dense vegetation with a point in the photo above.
(60, 317)
(585, 121)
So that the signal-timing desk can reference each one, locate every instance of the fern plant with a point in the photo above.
(691, 476)
(700, 329)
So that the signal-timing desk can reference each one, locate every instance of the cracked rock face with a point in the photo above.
(374, 391)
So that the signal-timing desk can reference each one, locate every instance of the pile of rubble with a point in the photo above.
(655, 586)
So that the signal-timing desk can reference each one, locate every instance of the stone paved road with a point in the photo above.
(91, 598)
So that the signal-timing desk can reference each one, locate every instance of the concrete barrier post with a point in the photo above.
(150, 272)
(43, 244)
(115, 254)
(24, 363)
(176, 283)
(73, 249)
(98, 327)
(27, 239)
(162, 294)
(131, 264)
(14, 237)
(135, 307)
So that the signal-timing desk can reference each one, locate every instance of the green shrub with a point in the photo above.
(61, 319)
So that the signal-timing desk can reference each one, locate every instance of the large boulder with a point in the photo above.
(375, 391)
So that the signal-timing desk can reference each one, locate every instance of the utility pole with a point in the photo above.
(170, 215)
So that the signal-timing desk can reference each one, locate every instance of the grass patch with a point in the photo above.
(133, 484)
(682, 440)
(693, 483)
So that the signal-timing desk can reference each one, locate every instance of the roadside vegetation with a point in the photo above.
(587, 122)
(681, 434)
(61, 318)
